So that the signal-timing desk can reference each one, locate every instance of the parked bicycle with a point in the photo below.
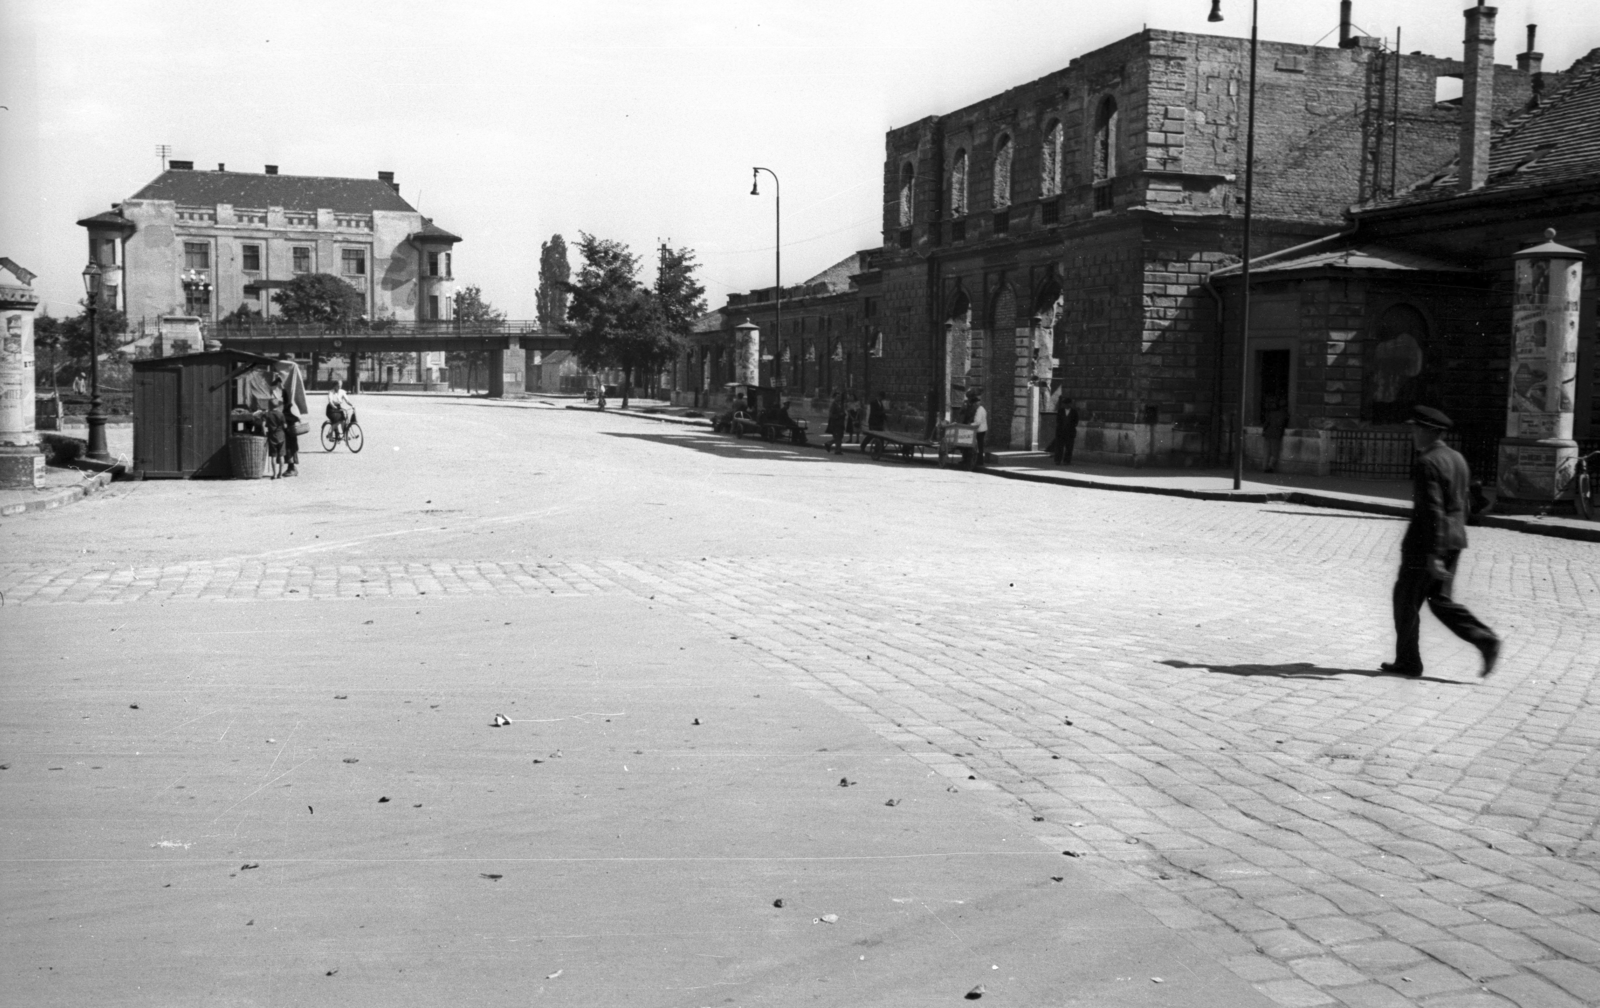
(1585, 486)
(347, 431)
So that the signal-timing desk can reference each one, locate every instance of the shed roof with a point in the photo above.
(292, 192)
(1556, 142)
(1369, 257)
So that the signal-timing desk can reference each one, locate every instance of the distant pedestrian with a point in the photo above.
(1273, 425)
(291, 437)
(877, 413)
(836, 423)
(1066, 429)
(1441, 485)
(974, 413)
(852, 419)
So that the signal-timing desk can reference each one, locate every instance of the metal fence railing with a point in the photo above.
(1373, 454)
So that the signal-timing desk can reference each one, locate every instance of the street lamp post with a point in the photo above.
(1249, 192)
(777, 250)
(97, 417)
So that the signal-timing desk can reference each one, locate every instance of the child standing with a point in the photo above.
(273, 421)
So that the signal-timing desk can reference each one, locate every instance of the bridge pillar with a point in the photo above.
(506, 370)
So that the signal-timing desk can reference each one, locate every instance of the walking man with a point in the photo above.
(1066, 429)
(1433, 542)
(976, 415)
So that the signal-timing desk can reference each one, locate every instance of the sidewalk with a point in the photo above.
(58, 488)
(1386, 497)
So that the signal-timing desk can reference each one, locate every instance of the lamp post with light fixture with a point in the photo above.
(92, 275)
(1249, 181)
(777, 250)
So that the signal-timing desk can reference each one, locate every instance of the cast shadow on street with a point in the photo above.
(727, 446)
(1335, 514)
(1300, 670)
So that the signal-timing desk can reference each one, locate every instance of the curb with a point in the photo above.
(59, 498)
(1309, 498)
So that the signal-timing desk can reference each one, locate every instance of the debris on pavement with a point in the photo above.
(382, 800)
(845, 782)
(1071, 853)
(1157, 980)
(976, 993)
(341, 696)
(417, 805)
(1058, 878)
(1038, 818)
(551, 976)
(892, 802)
(247, 867)
(500, 721)
(695, 721)
(778, 903)
(133, 706)
(491, 878)
(351, 759)
(331, 972)
(827, 919)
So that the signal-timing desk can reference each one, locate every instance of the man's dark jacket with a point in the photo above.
(1440, 493)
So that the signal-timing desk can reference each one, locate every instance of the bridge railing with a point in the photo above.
(380, 327)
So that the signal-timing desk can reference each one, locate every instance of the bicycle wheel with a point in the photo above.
(330, 437)
(352, 437)
(1587, 496)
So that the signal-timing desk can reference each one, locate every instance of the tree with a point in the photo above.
(320, 298)
(48, 336)
(470, 307)
(74, 334)
(242, 317)
(616, 322)
(554, 272)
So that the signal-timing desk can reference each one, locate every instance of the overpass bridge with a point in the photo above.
(393, 336)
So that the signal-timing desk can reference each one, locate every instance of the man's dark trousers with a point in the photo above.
(1416, 585)
(1066, 439)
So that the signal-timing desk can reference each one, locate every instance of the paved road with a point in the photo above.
(1179, 692)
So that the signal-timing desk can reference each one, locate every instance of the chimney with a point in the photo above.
(1531, 62)
(180, 166)
(388, 177)
(221, 166)
(272, 169)
(1477, 97)
(1346, 41)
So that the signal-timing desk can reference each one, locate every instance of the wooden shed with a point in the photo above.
(181, 408)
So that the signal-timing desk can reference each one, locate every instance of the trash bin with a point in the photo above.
(247, 453)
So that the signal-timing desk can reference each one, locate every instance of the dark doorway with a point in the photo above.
(1272, 367)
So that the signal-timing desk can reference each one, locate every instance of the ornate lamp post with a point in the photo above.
(97, 418)
(1249, 188)
(777, 250)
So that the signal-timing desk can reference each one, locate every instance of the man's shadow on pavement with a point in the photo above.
(1301, 670)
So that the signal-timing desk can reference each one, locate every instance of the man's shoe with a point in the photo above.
(1491, 657)
(1396, 669)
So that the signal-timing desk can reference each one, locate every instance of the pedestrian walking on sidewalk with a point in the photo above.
(1273, 426)
(1066, 429)
(836, 423)
(1440, 503)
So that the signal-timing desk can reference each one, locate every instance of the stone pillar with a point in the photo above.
(1537, 455)
(21, 462)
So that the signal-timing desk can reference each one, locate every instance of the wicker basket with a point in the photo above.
(247, 454)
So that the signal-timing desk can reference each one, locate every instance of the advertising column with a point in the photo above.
(747, 353)
(1537, 455)
(21, 463)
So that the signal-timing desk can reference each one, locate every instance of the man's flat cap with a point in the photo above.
(1427, 416)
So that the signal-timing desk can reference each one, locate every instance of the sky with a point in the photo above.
(508, 122)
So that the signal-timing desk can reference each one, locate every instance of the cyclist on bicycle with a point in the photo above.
(341, 413)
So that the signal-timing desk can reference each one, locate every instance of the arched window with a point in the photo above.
(908, 176)
(1105, 140)
(1002, 172)
(1050, 160)
(958, 184)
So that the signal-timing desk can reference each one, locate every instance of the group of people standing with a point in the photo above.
(845, 419)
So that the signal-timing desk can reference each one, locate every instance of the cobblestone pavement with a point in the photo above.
(1179, 691)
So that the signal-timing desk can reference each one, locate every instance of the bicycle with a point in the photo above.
(1585, 486)
(349, 433)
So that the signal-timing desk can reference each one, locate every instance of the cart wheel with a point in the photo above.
(330, 438)
(352, 437)
(1587, 496)
(877, 449)
(908, 453)
(797, 436)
